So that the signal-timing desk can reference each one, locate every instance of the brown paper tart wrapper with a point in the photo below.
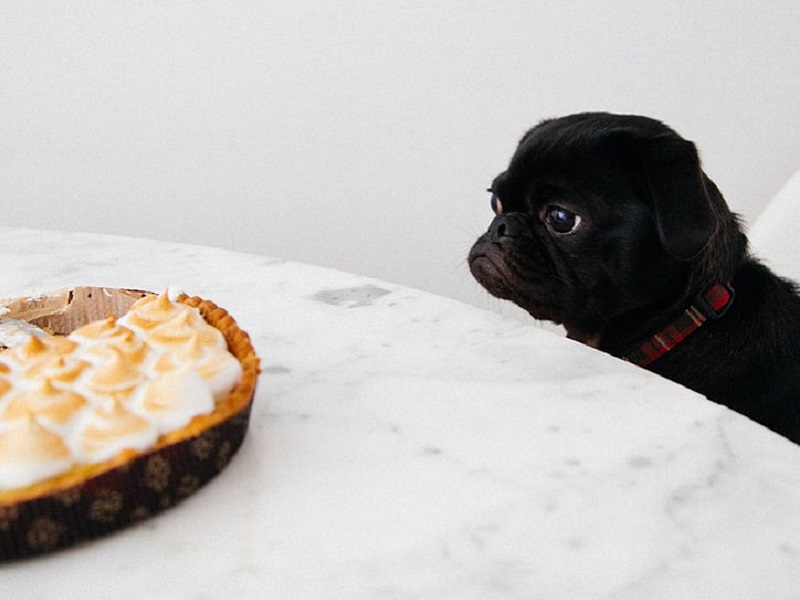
(93, 500)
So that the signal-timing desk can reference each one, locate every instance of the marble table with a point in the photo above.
(404, 445)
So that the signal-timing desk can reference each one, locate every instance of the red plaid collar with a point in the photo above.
(711, 304)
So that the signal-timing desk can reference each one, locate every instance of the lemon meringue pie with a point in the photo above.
(148, 402)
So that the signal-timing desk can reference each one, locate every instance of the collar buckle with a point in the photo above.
(715, 301)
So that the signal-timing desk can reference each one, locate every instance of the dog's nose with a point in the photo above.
(507, 225)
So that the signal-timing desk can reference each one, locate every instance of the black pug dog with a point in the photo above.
(608, 225)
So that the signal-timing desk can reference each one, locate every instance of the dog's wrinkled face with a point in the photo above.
(598, 218)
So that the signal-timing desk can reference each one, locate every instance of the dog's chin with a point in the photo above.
(492, 273)
(500, 276)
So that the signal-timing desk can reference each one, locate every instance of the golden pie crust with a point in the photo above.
(92, 500)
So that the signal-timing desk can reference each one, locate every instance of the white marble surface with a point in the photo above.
(407, 446)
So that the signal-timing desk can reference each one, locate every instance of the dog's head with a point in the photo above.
(603, 221)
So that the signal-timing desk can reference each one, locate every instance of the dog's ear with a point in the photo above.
(681, 193)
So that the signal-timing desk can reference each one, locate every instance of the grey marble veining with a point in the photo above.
(403, 445)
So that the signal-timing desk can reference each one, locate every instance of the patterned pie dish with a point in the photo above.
(115, 404)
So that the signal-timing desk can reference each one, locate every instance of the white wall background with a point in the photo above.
(362, 134)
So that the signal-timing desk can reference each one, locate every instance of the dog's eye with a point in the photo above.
(497, 206)
(561, 220)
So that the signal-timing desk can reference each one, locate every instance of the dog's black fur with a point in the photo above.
(652, 232)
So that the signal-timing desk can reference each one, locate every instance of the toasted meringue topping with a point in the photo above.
(39, 359)
(111, 385)
(151, 311)
(115, 373)
(48, 403)
(109, 429)
(222, 371)
(14, 332)
(37, 349)
(184, 328)
(29, 452)
(190, 352)
(56, 368)
(97, 330)
(171, 400)
(98, 336)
